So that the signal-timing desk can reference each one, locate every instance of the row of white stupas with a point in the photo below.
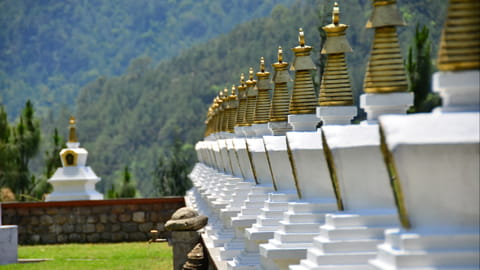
(395, 192)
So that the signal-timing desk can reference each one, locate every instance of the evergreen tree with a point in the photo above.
(52, 162)
(419, 71)
(171, 173)
(128, 189)
(5, 151)
(26, 142)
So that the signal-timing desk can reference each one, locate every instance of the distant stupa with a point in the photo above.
(75, 180)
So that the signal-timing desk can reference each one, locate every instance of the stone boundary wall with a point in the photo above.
(121, 220)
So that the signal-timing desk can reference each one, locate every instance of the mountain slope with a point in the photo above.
(49, 49)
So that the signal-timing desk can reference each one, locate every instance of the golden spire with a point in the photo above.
(72, 136)
(225, 110)
(263, 99)
(303, 100)
(280, 99)
(385, 71)
(251, 98)
(460, 42)
(242, 102)
(232, 100)
(335, 89)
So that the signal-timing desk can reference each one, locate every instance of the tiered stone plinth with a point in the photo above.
(348, 240)
(363, 185)
(271, 214)
(459, 90)
(303, 122)
(385, 103)
(301, 223)
(279, 128)
(336, 115)
(254, 201)
(435, 160)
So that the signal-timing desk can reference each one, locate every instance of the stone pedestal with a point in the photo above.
(435, 160)
(387, 103)
(303, 122)
(182, 242)
(336, 115)
(8, 242)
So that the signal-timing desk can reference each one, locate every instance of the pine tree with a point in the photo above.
(128, 189)
(171, 173)
(419, 71)
(26, 143)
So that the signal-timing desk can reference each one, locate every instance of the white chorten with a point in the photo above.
(75, 180)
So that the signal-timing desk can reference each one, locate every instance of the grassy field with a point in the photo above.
(136, 256)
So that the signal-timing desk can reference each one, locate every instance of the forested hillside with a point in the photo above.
(131, 119)
(49, 49)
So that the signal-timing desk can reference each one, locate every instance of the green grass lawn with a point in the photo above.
(136, 256)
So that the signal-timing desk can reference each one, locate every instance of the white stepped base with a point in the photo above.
(409, 250)
(301, 223)
(349, 240)
(271, 215)
(245, 261)
(267, 222)
(232, 249)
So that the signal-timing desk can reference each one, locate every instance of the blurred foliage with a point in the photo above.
(49, 49)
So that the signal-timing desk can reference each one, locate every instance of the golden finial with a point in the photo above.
(262, 106)
(385, 71)
(336, 14)
(280, 54)
(262, 64)
(301, 37)
(460, 41)
(303, 100)
(242, 102)
(280, 98)
(251, 98)
(335, 88)
(250, 74)
(72, 136)
(232, 110)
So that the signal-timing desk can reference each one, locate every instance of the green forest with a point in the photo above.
(138, 87)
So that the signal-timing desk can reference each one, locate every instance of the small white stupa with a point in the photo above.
(75, 180)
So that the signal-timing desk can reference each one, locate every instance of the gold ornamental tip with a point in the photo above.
(250, 81)
(72, 136)
(262, 74)
(336, 14)
(280, 54)
(301, 37)
(233, 95)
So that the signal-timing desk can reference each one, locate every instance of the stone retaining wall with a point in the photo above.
(119, 220)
